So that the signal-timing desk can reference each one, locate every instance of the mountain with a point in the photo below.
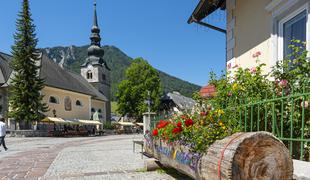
(72, 57)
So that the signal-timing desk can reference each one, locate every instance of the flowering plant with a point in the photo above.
(197, 131)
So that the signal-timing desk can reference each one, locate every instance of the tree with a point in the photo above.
(25, 99)
(140, 77)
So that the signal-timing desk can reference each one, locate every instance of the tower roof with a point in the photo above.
(95, 52)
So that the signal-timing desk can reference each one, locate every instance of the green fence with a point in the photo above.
(158, 118)
(286, 116)
(283, 115)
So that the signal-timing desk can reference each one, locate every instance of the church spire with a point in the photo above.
(95, 14)
(95, 35)
(95, 52)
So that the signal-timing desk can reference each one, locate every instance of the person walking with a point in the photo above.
(2, 133)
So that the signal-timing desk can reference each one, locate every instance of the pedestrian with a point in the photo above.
(2, 133)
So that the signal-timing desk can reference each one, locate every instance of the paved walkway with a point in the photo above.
(107, 157)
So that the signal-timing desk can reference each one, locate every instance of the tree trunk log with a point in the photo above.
(256, 155)
(242, 156)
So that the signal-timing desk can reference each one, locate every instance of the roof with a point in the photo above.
(204, 8)
(181, 101)
(55, 76)
(4, 67)
(207, 91)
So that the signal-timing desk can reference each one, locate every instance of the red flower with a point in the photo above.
(179, 124)
(162, 124)
(155, 132)
(204, 113)
(189, 122)
(176, 130)
(184, 116)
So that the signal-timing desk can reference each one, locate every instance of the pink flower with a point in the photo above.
(257, 54)
(229, 94)
(253, 70)
(283, 82)
(235, 66)
(228, 65)
(305, 104)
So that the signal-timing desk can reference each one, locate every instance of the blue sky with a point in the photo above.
(155, 30)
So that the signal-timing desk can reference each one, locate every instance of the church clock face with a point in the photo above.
(89, 66)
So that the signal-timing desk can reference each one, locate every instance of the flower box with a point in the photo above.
(256, 155)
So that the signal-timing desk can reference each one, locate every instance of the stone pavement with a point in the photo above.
(106, 157)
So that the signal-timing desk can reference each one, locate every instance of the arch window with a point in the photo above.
(78, 103)
(53, 100)
(99, 111)
(89, 75)
(93, 110)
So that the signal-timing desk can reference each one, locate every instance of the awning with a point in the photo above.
(89, 122)
(129, 124)
(58, 120)
(71, 121)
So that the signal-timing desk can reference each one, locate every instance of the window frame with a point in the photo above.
(56, 97)
(287, 18)
(89, 74)
(81, 104)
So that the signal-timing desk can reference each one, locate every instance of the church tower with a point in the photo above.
(95, 69)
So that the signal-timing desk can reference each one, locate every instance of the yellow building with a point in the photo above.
(69, 95)
(263, 26)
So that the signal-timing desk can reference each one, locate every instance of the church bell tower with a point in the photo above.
(95, 69)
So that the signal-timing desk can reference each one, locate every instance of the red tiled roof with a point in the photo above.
(207, 91)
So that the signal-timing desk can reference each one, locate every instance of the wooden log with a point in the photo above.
(256, 155)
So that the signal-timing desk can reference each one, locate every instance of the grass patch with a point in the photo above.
(141, 170)
(173, 172)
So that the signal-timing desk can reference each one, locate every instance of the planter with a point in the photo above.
(256, 155)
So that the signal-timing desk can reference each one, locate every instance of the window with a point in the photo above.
(292, 27)
(93, 110)
(68, 105)
(53, 100)
(78, 103)
(103, 77)
(89, 75)
(99, 111)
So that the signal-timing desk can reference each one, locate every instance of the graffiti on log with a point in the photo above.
(185, 158)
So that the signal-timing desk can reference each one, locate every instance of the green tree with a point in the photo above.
(140, 77)
(25, 99)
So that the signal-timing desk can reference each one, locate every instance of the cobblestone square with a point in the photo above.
(105, 157)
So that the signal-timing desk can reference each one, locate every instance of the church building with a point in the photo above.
(69, 95)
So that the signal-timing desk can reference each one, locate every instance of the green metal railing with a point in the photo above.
(156, 119)
(283, 115)
(286, 116)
